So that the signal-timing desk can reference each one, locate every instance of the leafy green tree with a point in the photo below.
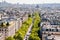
(2, 24)
(7, 24)
(18, 37)
(10, 38)
(29, 15)
(35, 28)
(20, 34)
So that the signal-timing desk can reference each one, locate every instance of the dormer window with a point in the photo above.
(46, 29)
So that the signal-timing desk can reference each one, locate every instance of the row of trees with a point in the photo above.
(20, 34)
(23, 30)
(35, 28)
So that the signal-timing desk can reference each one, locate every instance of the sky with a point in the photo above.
(31, 1)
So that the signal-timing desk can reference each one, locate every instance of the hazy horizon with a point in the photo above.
(31, 1)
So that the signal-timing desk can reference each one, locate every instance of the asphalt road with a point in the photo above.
(28, 33)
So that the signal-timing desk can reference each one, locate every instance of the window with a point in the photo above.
(21, 18)
(56, 30)
(0, 29)
(49, 34)
(52, 29)
(46, 29)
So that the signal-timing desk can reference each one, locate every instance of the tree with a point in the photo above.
(34, 34)
(29, 15)
(7, 24)
(18, 36)
(10, 38)
(2, 24)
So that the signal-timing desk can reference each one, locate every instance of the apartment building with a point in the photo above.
(14, 18)
(50, 25)
(50, 32)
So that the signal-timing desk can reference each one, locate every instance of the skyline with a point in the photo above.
(31, 1)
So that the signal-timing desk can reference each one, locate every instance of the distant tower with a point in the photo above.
(17, 3)
(37, 6)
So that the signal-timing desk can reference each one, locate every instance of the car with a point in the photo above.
(27, 35)
(29, 31)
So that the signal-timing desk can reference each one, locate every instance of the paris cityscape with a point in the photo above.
(30, 20)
